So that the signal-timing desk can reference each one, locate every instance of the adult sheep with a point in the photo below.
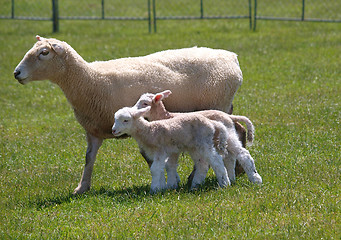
(200, 78)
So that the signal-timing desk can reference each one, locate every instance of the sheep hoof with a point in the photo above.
(194, 186)
(172, 186)
(256, 178)
(155, 191)
(81, 189)
(224, 184)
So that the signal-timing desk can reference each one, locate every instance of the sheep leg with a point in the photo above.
(158, 173)
(94, 144)
(245, 160)
(230, 165)
(191, 176)
(241, 133)
(200, 170)
(173, 178)
(145, 156)
(248, 164)
(217, 164)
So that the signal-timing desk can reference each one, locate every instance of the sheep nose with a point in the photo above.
(113, 131)
(16, 73)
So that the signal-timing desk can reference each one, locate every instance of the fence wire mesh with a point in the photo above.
(154, 10)
(188, 9)
(26, 9)
(319, 10)
(104, 9)
(200, 9)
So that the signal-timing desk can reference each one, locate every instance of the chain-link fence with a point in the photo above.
(297, 10)
(26, 10)
(56, 10)
(201, 9)
(152, 11)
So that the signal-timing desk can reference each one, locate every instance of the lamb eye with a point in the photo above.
(125, 121)
(44, 52)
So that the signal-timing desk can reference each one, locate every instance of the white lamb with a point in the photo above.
(200, 137)
(200, 78)
(234, 146)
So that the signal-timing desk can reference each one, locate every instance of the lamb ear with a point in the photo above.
(158, 97)
(166, 93)
(141, 112)
(39, 38)
(162, 95)
(58, 48)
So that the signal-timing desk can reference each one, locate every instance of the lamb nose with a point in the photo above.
(16, 73)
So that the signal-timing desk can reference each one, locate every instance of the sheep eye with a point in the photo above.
(125, 121)
(44, 52)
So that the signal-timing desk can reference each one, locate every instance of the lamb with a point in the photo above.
(202, 138)
(234, 147)
(200, 78)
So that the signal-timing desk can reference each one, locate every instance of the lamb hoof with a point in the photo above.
(81, 189)
(256, 179)
(155, 191)
(158, 189)
(224, 182)
(172, 186)
(178, 180)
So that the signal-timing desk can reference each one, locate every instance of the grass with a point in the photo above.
(291, 91)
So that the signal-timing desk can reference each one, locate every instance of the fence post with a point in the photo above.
(250, 14)
(103, 16)
(255, 16)
(201, 9)
(154, 16)
(303, 6)
(55, 15)
(12, 9)
(149, 18)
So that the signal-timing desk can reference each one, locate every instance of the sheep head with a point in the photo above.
(43, 61)
(144, 101)
(124, 120)
(158, 110)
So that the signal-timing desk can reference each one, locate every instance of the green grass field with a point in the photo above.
(291, 92)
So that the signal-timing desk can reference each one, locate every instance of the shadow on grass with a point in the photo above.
(121, 195)
(130, 194)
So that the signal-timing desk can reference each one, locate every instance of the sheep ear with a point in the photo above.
(158, 97)
(39, 38)
(166, 93)
(59, 49)
(162, 95)
(141, 112)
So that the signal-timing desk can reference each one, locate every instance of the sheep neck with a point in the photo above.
(85, 88)
(78, 84)
(159, 112)
(146, 133)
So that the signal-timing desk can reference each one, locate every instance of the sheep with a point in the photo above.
(146, 100)
(200, 78)
(202, 138)
(234, 147)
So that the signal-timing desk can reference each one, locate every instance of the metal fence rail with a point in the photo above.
(200, 9)
(56, 10)
(294, 10)
(27, 11)
(153, 11)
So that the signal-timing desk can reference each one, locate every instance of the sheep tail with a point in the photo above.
(249, 125)
(220, 137)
